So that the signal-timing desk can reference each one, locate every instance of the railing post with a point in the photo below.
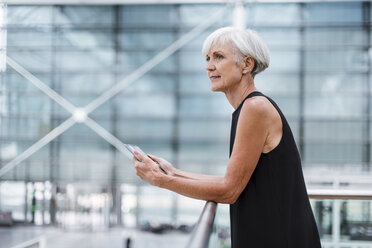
(336, 222)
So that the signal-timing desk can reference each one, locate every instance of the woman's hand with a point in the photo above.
(148, 170)
(164, 165)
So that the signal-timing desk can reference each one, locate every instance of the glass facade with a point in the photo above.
(319, 75)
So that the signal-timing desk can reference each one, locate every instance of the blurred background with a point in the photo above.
(80, 78)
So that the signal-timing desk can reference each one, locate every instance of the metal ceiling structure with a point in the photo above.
(110, 2)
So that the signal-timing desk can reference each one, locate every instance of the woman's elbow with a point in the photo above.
(228, 197)
(231, 200)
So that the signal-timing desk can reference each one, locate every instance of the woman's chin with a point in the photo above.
(215, 88)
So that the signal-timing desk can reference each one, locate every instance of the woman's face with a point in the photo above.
(222, 69)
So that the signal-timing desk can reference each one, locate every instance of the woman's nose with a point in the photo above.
(210, 67)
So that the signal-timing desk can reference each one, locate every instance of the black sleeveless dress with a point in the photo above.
(273, 211)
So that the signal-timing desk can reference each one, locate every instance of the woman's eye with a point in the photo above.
(219, 56)
(207, 59)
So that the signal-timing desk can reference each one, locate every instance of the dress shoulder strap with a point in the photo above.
(254, 93)
(258, 93)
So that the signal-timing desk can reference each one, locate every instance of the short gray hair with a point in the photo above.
(246, 42)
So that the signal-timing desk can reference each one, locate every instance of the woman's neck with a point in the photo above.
(237, 95)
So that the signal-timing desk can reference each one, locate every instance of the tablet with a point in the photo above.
(133, 148)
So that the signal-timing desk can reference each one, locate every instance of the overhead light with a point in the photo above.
(80, 115)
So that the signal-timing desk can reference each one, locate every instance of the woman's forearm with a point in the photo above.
(194, 176)
(198, 188)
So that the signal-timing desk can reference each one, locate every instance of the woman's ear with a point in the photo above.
(248, 64)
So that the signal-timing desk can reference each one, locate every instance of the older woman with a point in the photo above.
(263, 183)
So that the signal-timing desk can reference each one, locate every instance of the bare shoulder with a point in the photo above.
(259, 107)
(260, 110)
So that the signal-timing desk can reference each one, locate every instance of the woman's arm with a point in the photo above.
(170, 170)
(252, 131)
(203, 177)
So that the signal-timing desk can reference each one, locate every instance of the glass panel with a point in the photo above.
(277, 14)
(335, 84)
(146, 39)
(36, 167)
(211, 130)
(335, 36)
(271, 83)
(82, 82)
(32, 60)
(196, 14)
(336, 60)
(86, 134)
(148, 14)
(294, 124)
(333, 12)
(196, 43)
(85, 38)
(12, 196)
(189, 210)
(220, 236)
(29, 15)
(84, 155)
(206, 158)
(16, 82)
(192, 61)
(99, 59)
(196, 83)
(285, 37)
(29, 38)
(155, 205)
(335, 131)
(28, 128)
(130, 60)
(29, 104)
(204, 106)
(334, 106)
(288, 104)
(83, 99)
(151, 129)
(84, 15)
(161, 105)
(149, 83)
(284, 61)
(84, 169)
(353, 222)
(333, 153)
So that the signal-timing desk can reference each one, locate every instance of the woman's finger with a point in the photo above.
(139, 155)
(156, 159)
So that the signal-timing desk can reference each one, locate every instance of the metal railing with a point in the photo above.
(38, 242)
(345, 194)
(203, 228)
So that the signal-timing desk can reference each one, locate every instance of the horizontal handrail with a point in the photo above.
(39, 242)
(201, 233)
(346, 194)
(203, 228)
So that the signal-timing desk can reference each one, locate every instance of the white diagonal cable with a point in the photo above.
(107, 136)
(38, 145)
(52, 134)
(155, 61)
(42, 86)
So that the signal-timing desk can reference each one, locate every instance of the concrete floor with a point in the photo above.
(12, 237)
